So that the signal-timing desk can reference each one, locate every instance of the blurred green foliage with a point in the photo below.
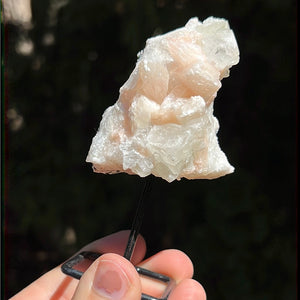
(238, 230)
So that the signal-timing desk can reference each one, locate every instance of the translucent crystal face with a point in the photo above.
(163, 123)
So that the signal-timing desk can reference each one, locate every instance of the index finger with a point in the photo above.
(172, 263)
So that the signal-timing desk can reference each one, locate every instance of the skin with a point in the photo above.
(173, 263)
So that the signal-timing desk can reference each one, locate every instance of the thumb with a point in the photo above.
(111, 276)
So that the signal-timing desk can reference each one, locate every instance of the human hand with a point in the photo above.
(112, 276)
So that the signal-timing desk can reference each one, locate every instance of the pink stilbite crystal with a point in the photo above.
(163, 123)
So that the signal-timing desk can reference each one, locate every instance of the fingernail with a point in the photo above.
(110, 280)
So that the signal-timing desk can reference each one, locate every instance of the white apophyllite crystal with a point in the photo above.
(163, 123)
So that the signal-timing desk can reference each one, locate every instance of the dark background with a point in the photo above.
(239, 230)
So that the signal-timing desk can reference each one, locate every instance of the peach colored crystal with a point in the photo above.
(163, 123)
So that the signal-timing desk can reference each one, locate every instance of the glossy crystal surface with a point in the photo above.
(163, 122)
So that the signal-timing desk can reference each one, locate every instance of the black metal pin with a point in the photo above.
(137, 222)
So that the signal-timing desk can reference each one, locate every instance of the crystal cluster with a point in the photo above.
(163, 123)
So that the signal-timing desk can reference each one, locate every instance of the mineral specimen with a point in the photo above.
(163, 123)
